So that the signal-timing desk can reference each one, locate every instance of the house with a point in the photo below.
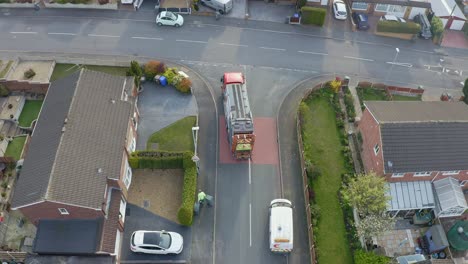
(407, 9)
(448, 11)
(76, 169)
(420, 148)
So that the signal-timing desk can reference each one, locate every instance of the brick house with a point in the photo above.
(407, 9)
(424, 142)
(77, 166)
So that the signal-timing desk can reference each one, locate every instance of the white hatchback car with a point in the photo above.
(156, 242)
(339, 10)
(166, 18)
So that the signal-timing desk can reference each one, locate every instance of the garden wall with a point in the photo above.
(113, 6)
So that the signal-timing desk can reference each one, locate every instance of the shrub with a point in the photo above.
(314, 213)
(176, 80)
(170, 74)
(301, 3)
(156, 160)
(3, 91)
(185, 213)
(312, 171)
(184, 85)
(395, 27)
(437, 27)
(4, 185)
(334, 85)
(313, 15)
(29, 74)
(153, 68)
(363, 257)
(135, 71)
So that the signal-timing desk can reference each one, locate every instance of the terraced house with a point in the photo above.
(421, 150)
(76, 173)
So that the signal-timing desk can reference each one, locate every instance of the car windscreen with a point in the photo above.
(280, 204)
(342, 13)
(165, 241)
(172, 16)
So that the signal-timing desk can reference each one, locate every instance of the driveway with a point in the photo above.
(259, 10)
(138, 218)
(159, 107)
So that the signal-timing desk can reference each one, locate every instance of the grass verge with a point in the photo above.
(15, 147)
(322, 146)
(30, 112)
(175, 137)
(63, 70)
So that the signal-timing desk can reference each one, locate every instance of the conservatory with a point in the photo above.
(450, 198)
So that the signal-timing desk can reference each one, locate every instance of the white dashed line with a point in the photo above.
(25, 32)
(103, 36)
(229, 44)
(268, 48)
(314, 53)
(147, 38)
(250, 224)
(356, 58)
(403, 64)
(191, 41)
(59, 33)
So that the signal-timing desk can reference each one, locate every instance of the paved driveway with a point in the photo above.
(159, 107)
(138, 218)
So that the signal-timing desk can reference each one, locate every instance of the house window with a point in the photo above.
(128, 177)
(123, 207)
(381, 7)
(359, 6)
(398, 175)
(396, 9)
(376, 149)
(450, 172)
(132, 146)
(63, 211)
(422, 173)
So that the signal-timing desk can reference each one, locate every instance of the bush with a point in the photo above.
(437, 27)
(363, 257)
(395, 27)
(170, 74)
(313, 15)
(312, 171)
(4, 91)
(184, 85)
(103, 2)
(185, 213)
(153, 68)
(29, 74)
(314, 213)
(301, 3)
(156, 160)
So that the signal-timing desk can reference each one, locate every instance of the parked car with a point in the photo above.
(361, 20)
(392, 18)
(339, 9)
(222, 6)
(156, 242)
(166, 18)
(425, 31)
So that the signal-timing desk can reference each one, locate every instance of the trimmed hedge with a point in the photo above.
(396, 27)
(313, 15)
(172, 160)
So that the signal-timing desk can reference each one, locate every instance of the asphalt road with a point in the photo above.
(274, 58)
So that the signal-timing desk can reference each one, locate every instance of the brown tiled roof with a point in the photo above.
(90, 133)
(111, 224)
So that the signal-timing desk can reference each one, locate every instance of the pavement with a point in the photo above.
(454, 39)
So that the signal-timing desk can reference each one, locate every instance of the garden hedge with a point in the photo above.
(172, 160)
(313, 15)
(396, 27)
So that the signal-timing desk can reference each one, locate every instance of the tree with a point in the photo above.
(136, 72)
(437, 27)
(465, 91)
(373, 225)
(367, 193)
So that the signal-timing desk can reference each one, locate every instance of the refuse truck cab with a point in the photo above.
(281, 226)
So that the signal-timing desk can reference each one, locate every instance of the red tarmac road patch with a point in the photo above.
(266, 143)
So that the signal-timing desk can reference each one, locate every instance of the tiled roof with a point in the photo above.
(111, 223)
(91, 145)
(414, 111)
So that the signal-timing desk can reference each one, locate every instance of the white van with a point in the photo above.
(281, 226)
(222, 6)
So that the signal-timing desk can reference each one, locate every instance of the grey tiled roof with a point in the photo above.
(426, 146)
(92, 142)
(415, 111)
(35, 174)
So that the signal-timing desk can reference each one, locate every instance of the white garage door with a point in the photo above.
(415, 11)
(457, 25)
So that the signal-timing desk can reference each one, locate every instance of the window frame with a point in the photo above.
(454, 172)
(63, 211)
(128, 176)
(377, 146)
(376, 8)
(398, 175)
(422, 173)
(355, 6)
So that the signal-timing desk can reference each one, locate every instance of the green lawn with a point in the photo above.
(30, 112)
(63, 70)
(322, 146)
(175, 137)
(369, 94)
(15, 147)
(397, 97)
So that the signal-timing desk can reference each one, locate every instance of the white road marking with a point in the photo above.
(250, 174)
(314, 53)
(191, 41)
(23, 32)
(250, 223)
(60, 33)
(430, 52)
(356, 58)
(403, 64)
(103, 36)
(268, 48)
(147, 38)
(229, 44)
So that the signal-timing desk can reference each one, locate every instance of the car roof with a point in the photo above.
(338, 2)
(362, 17)
(147, 238)
(391, 17)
